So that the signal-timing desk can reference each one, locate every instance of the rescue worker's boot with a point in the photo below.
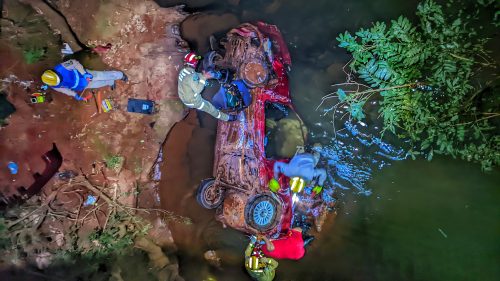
(307, 240)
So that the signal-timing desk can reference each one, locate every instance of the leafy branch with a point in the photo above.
(425, 77)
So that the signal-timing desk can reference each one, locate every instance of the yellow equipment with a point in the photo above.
(51, 78)
(297, 184)
(37, 98)
(106, 105)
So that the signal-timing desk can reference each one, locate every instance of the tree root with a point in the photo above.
(166, 270)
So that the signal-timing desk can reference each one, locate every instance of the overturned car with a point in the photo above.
(247, 149)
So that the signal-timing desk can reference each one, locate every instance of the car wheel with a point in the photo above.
(208, 195)
(262, 212)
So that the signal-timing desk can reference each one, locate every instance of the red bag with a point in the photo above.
(290, 247)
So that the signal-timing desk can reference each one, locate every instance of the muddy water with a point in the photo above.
(422, 221)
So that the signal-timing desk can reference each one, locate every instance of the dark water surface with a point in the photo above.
(436, 220)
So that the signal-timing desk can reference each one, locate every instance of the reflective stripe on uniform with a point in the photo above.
(183, 74)
(201, 106)
(77, 79)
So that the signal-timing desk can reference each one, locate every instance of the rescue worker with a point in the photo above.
(192, 83)
(259, 267)
(301, 170)
(70, 77)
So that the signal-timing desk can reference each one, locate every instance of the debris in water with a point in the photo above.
(442, 233)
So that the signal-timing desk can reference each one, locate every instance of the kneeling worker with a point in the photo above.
(192, 83)
(71, 77)
(301, 170)
(259, 267)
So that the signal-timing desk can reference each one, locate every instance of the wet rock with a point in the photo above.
(43, 259)
(212, 258)
(196, 29)
(289, 135)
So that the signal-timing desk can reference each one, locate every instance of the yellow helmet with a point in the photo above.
(51, 78)
(297, 184)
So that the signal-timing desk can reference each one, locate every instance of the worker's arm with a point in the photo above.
(249, 250)
(210, 109)
(74, 64)
(278, 168)
(271, 263)
(66, 91)
(321, 175)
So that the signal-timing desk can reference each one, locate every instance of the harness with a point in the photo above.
(71, 79)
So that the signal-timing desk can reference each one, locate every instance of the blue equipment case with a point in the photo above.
(140, 106)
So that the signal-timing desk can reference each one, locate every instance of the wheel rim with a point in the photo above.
(263, 213)
(212, 194)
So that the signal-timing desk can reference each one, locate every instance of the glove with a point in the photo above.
(232, 117)
(78, 98)
(317, 189)
(274, 185)
(88, 76)
(216, 74)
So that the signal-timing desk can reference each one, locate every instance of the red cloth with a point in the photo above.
(289, 247)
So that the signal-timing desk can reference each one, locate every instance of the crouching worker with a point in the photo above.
(70, 77)
(301, 170)
(192, 83)
(259, 267)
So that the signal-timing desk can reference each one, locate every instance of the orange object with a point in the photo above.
(99, 105)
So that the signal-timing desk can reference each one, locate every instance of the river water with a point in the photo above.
(397, 220)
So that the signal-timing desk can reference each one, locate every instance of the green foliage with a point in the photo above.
(33, 55)
(116, 238)
(425, 76)
(114, 161)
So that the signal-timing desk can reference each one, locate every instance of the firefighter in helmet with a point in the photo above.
(192, 83)
(259, 267)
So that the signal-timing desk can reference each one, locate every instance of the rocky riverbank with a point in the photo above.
(112, 151)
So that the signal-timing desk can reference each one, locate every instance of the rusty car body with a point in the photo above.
(239, 189)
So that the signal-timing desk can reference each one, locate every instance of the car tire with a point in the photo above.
(261, 212)
(208, 195)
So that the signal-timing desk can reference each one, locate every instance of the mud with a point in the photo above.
(189, 159)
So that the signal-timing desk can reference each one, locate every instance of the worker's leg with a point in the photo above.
(210, 109)
(103, 78)
(99, 84)
(105, 75)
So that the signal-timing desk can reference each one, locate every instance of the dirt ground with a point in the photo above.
(144, 49)
(142, 46)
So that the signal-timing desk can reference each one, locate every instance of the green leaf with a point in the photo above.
(341, 94)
